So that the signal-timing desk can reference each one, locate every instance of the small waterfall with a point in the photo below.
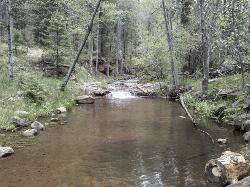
(120, 95)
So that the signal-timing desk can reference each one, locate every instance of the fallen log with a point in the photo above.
(186, 110)
(192, 119)
(227, 169)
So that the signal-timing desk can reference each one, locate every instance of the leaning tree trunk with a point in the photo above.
(227, 169)
(170, 44)
(90, 26)
(10, 40)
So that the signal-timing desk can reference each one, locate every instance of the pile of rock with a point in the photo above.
(95, 89)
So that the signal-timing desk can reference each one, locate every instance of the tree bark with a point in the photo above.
(90, 53)
(119, 47)
(170, 45)
(90, 26)
(205, 49)
(10, 40)
(97, 43)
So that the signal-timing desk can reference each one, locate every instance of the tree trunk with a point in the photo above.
(90, 26)
(167, 18)
(205, 49)
(119, 58)
(10, 40)
(237, 46)
(91, 53)
(97, 43)
(57, 52)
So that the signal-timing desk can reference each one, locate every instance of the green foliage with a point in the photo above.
(204, 109)
(41, 96)
(32, 90)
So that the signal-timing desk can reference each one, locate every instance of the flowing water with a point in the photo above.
(118, 142)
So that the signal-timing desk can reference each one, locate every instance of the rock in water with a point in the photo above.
(30, 133)
(84, 100)
(61, 110)
(227, 169)
(242, 183)
(54, 119)
(37, 126)
(6, 151)
(247, 136)
(222, 141)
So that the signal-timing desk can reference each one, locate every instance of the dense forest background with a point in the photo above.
(130, 36)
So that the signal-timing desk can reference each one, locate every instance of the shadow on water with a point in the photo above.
(129, 142)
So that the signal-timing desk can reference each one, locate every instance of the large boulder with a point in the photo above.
(30, 133)
(227, 169)
(6, 151)
(247, 136)
(37, 126)
(84, 100)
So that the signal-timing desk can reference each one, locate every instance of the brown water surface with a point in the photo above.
(128, 142)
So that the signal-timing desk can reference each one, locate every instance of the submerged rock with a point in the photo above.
(38, 126)
(54, 119)
(227, 169)
(61, 110)
(19, 122)
(247, 136)
(30, 133)
(85, 100)
(6, 151)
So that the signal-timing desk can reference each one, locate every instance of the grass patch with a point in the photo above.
(205, 108)
(33, 93)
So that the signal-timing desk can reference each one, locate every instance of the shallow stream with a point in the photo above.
(118, 142)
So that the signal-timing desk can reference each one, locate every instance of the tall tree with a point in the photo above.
(167, 18)
(205, 45)
(10, 40)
